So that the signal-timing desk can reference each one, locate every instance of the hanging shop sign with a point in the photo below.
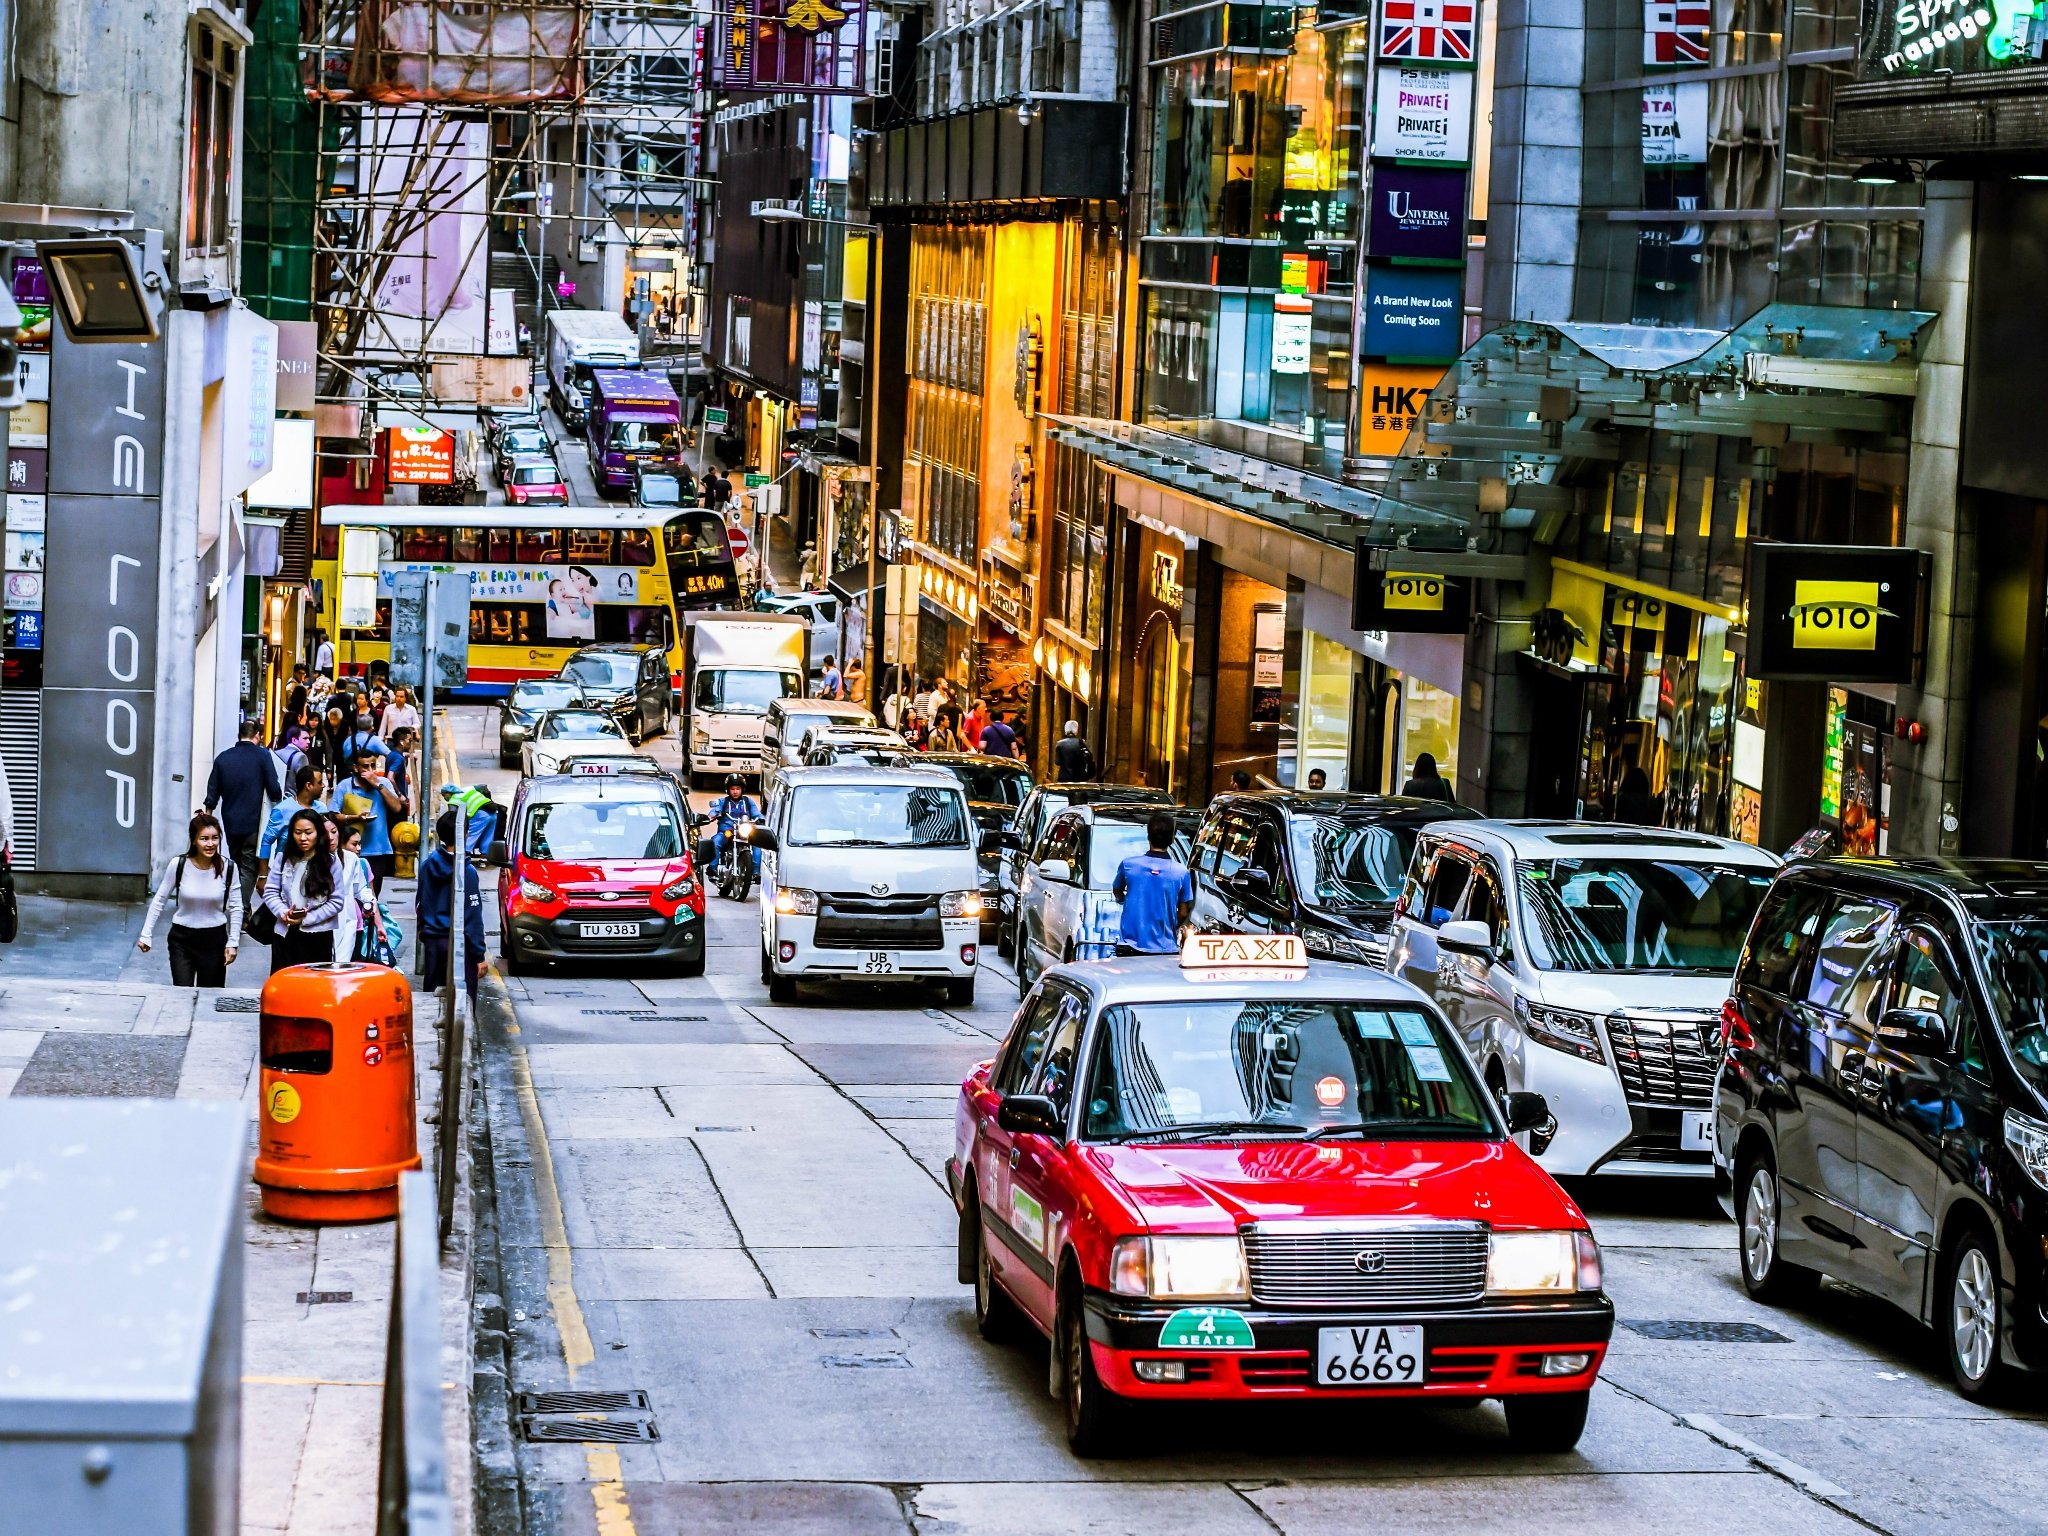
(1418, 213)
(1391, 399)
(803, 47)
(1444, 30)
(1835, 613)
(1675, 124)
(1407, 602)
(1293, 325)
(1960, 37)
(1422, 114)
(1412, 313)
(420, 456)
(1676, 31)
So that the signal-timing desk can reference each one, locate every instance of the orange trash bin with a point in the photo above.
(336, 1117)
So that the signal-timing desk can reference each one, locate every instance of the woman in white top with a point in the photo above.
(360, 907)
(205, 896)
(400, 711)
(305, 892)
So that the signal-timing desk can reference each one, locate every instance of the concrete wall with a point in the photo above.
(1532, 218)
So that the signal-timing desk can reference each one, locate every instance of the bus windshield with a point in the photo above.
(642, 437)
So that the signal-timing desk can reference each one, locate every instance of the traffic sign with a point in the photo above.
(737, 537)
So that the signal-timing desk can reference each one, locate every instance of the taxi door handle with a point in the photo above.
(1014, 1155)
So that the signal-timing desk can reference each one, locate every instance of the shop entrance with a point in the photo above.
(1158, 694)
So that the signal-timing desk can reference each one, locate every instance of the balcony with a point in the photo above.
(1068, 149)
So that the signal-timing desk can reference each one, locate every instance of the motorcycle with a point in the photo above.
(736, 863)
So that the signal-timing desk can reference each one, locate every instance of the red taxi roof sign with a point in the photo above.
(1244, 954)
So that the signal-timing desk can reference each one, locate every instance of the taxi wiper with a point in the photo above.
(1355, 1128)
(1198, 1132)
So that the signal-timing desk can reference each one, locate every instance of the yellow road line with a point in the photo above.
(608, 1492)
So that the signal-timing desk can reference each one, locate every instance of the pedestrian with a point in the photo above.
(1072, 762)
(854, 684)
(399, 714)
(323, 654)
(290, 753)
(359, 892)
(1317, 779)
(921, 698)
(1425, 783)
(914, 728)
(308, 785)
(434, 915)
(999, 736)
(945, 736)
(829, 684)
(330, 739)
(1633, 802)
(299, 695)
(405, 741)
(1240, 780)
(204, 892)
(974, 724)
(1157, 893)
(304, 893)
(6, 817)
(243, 778)
(369, 794)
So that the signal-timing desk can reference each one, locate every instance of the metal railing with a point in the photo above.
(412, 1463)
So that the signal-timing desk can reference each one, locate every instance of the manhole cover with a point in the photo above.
(1703, 1333)
(584, 1402)
(611, 1431)
(238, 1005)
(866, 1363)
(324, 1298)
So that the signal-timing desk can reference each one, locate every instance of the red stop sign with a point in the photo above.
(737, 537)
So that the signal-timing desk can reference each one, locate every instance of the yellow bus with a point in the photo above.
(544, 580)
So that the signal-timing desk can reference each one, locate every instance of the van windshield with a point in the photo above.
(1638, 914)
(1346, 863)
(2014, 959)
(882, 816)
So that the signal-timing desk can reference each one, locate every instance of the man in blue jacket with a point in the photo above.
(436, 890)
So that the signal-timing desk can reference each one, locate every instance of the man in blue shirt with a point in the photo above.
(1157, 893)
(437, 874)
(828, 680)
(372, 784)
(307, 786)
(735, 808)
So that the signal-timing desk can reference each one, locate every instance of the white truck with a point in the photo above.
(734, 666)
(579, 340)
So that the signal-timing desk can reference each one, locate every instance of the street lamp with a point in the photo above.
(104, 291)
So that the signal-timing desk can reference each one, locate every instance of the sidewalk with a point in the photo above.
(82, 1013)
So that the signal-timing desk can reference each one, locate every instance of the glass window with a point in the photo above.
(604, 829)
(1060, 1066)
(885, 816)
(542, 693)
(577, 725)
(608, 673)
(1790, 915)
(1846, 977)
(745, 693)
(1229, 1070)
(423, 543)
(1447, 882)
(1637, 914)
(1027, 1042)
(466, 546)
(1343, 863)
(1924, 983)
(537, 546)
(2013, 960)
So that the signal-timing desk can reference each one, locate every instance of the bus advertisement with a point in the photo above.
(635, 420)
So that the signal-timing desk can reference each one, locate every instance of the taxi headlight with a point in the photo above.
(1532, 1263)
(1180, 1268)
(533, 890)
(677, 890)
(793, 901)
(960, 904)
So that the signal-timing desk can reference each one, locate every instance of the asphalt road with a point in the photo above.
(739, 1210)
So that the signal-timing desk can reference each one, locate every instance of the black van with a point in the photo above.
(1880, 1102)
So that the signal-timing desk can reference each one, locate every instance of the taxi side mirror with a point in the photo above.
(759, 836)
(1029, 1114)
(1527, 1112)
(499, 856)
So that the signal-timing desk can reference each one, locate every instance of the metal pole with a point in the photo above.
(452, 1048)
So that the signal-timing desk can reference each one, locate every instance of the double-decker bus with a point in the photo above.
(544, 580)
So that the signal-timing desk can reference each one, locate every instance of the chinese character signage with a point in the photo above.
(1429, 29)
(1418, 213)
(1391, 401)
(421, 456)
(814, 47)
(1422, 114)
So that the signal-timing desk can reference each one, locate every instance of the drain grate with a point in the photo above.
(324, 1298)
(703, 1129)
(584, 1402)
(238, 1005)
(853, 1333)
(645, 1015)
(615, 1013)
(1703, 1333)
(866, 1362)
(609, 1431)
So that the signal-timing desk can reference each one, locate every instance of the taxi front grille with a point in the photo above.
(1432, 1264)
(1288, 1369)
(1663, 1059)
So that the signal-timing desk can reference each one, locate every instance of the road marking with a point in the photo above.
(608, 1492)
(1799, 1477)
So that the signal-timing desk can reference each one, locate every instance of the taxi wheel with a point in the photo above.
(514, 966)
(1546, 1421)
(690, 967)
(996, 1317)
(1093, 1412)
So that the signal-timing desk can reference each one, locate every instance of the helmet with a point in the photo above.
(734, 781)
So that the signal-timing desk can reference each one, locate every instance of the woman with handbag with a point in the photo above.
(304, 894)
(204, 892)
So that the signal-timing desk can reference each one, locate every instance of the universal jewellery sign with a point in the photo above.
(1835, 613)
(1408, 602)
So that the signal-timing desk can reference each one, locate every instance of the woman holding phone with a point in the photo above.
(305, 892)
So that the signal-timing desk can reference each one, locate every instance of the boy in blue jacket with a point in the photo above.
(436, 886)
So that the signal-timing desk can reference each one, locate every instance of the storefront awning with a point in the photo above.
(850, 582)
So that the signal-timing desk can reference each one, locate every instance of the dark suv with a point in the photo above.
(628, 682)
(1880, 1099)
(1326, 866)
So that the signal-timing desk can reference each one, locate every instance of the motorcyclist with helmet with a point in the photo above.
(735, 809)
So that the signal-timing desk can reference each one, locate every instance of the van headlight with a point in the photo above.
(1541, 1263)
(794, 901)
(2027, 1139)
(1180, 1268)
(960, 904)
(1577, 1034)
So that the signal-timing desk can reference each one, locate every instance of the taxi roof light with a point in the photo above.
(1243, 956)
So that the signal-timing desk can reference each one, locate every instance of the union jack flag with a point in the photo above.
(1675, 31)
(1427, 29)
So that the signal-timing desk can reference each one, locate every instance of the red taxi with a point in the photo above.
(1242, 1176)
(596, 864)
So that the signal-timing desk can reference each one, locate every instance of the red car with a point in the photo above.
(535, 482)
(597, 865)
(1243, 1176)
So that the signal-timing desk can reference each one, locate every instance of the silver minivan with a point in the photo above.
(789, 721)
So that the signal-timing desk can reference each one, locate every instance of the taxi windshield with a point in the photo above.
(1633, 914)
(1223, 1070)
(592, 830)
(885, 816)
(579, 725)
(1350, 863)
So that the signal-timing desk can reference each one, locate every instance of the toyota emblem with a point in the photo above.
(1370, 1262)
(880, 887)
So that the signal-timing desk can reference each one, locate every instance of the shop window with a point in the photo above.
(1328, 670)
(210, 141)
(1429, 723)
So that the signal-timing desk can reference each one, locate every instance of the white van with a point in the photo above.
(789, 723)
(869, 874)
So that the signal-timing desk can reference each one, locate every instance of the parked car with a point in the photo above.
(996, 788)
(521, 442)
(790, 721)
(535, 481)
(630, 682)
(1325, 866)
(1066, 908)
(522, 707)
(1028, 828)
(1882, 1106)
(853, 745)
(1586, 962)
(818, 609)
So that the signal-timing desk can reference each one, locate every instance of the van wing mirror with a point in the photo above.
(991, 842)
(1056, 871)
(1914, 1032)
(758, 835)
(1526, 1112)
(1465, 937)
(1251, 882)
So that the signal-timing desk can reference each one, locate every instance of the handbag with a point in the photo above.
(10, 907)
(261, 925)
